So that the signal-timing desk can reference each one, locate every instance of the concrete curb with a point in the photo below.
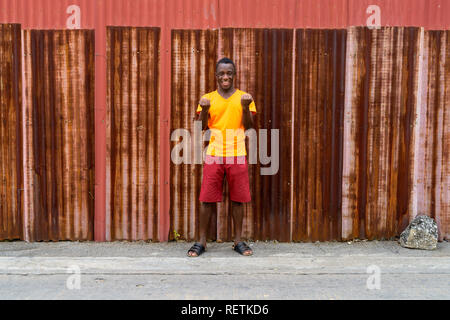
(223, 265)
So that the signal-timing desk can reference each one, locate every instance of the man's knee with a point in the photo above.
(208, 205)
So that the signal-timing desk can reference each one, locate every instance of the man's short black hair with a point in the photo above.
(225, 61)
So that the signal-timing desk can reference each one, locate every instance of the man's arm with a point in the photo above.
(247, 116)
(204, 114)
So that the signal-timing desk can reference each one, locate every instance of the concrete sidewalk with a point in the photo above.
(140, 270)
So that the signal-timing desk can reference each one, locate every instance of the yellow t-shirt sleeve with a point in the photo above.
(252, 107)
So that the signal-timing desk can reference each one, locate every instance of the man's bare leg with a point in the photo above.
(237, 209)
(206, 212)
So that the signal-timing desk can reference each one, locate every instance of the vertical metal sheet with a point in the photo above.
(194, 55)
(431, 165)
(11, 178)
(318, 124)
(132, 174)
(264, 59)
(283, 14)
(59, 106)
(444, 211)
(100, 122)
(379, 109)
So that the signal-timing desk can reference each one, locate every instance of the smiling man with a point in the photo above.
(227, 112)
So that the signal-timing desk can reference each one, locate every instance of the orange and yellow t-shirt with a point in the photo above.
(225, 123)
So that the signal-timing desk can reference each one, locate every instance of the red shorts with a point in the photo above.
(236, 171)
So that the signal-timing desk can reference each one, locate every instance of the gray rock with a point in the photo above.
(421, 233)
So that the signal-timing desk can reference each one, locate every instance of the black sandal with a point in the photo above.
(241, 247)
(198, 248)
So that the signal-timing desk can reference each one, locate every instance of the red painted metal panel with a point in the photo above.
(11, 178)
(100, 122)
(174, 14)
(283, 14)
(194, 14)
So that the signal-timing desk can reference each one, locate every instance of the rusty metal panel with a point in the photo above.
(318, 123)
(59, 132)
(264, 60)
(430, 170)
(444, 211)
(194, 56)
(379, 118)
(132, 174)
(11, 164)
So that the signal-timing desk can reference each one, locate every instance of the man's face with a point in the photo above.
(225, 75)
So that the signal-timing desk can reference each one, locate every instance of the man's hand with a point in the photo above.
(246, 99)
(247, 118)
(204, 114)
(205, 103)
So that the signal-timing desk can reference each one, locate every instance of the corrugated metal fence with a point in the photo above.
(87, 116)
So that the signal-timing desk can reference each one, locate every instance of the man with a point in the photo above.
(227, 112)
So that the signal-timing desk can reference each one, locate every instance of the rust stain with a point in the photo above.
(132, 171)
(59, 106)
(431, 158)
(11, 177)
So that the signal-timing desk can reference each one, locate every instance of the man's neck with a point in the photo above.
(226, 93)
